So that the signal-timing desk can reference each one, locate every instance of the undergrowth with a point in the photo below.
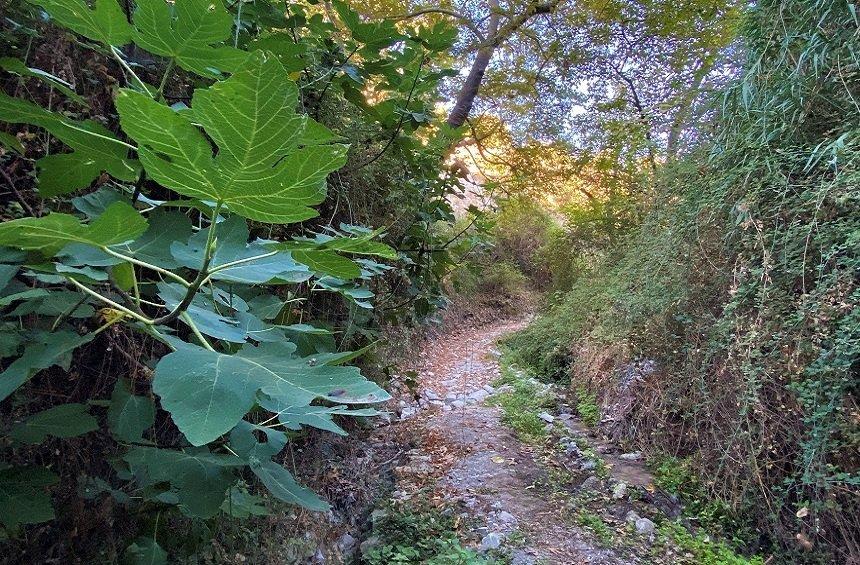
(726, 330)
(522, 404)
(417, 531)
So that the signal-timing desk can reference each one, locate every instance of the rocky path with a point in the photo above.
(528, 500)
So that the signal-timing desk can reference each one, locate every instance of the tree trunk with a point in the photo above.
(469, 91)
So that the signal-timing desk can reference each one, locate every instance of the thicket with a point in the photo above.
(726, 330)
(206, 205)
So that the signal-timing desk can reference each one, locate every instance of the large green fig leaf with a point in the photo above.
(189, 32)
(294, 417)
(44, 350)
(208, 392)
(260, 171)
(95, 149)
(283, 485)
(105, 22)
(16, 66)
(375, 35)
(129, 415)
(233, 246)
(199, 478)
(64, 421)
(23, 497)
(120, 223)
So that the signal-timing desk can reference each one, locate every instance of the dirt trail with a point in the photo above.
(475, 461)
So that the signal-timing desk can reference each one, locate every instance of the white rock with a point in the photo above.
(446, 408)
(546, 417)
(645, 526)
(591, 483)
(458, 404)
(479, 395)
(506, 517)
(634, 456)
(346, 542)
(588, 465)
(619, 491)
(491, 541)
(431, 395)
(632, 516)
(367, 545)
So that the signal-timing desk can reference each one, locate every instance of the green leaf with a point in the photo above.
(203, 313)
(105, 23)
(145, 551)
(23, 497)
(375, 35)
(129, 415)
(245, 443)
(120, 223)
(281, 483)
(63, 421)
(233, 246)
(199, 478)
(11, 142)
(241, 504)
(294, 417)
(328, 263)
(45, 350)
(123, 276)
(208, 392)
(260, 172)
(188, 31)
(283, 46)
(95, 203)
(16, 66)
(95, 148)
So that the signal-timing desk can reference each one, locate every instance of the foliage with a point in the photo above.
(522, 405)
(191, 265)
(724, 329)
(704, 550)
(418, 532)
(586, 407)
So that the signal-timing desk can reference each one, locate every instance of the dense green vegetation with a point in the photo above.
(724, 328)
(179, 293)
(212, 213)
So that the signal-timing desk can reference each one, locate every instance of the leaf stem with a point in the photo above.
(110, 302)
(150, 266)
(159, 94)
(124, 65)
(187, 319)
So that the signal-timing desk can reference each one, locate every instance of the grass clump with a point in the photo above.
(419, 532)
(595, 524)
(703, 549)
(522, 404)
(587, 408)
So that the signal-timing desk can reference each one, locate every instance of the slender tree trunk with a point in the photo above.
(469, 91)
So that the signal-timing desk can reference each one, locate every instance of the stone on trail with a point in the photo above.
(588, 465)
(489, 388)
(590, 483)
(458, 404)
(619, 491)
(431, 395)
(645, 526)
(546, 417)
(491, 541)
(634, 456)
(479, 395)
